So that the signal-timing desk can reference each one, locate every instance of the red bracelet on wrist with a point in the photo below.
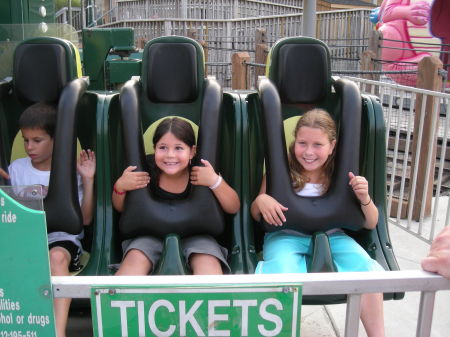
(117, 192)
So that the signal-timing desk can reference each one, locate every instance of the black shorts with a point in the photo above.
(74, 251)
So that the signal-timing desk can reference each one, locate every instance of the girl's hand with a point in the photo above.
(203, 175)
(130, 180)
(4, 174)
(360, 186)
(270, 209)
(86, 164)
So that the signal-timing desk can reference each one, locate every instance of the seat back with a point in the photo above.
(300, 79)
(174, 62)
(172, 83)
(45, 70)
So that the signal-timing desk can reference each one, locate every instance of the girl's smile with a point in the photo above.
(312, 149)
(172, 156)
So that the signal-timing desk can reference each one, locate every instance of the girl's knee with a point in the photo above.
(205, 264)
(135, 262)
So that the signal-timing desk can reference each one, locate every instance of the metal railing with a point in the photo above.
(347, 24)
(351, 284)
(62, 16)
(400, 118)
(224, 37)
(202, 9)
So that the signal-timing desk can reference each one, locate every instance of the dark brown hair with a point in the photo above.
(178, 127)
(39, 116)
(318, 119)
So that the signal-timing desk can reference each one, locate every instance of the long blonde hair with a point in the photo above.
(318, 119)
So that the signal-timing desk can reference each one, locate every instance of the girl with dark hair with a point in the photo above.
(170, 176)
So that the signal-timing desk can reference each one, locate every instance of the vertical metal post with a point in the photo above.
(309, 18)
(425, 313)
(90, 8)
(167, 27)
(352, 315)
(83, 17)
(184, 9)
(69, 10)
(235, 9)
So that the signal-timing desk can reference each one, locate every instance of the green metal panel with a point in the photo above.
(41, 11)
(119, 71)
(245, 310)
(27, 11)
(231, 169)
(97, 44)
(26, 307)
(90, 135)
(5, 12)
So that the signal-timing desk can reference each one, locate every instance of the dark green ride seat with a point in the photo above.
(173, 83)
(299, 79)
(48, 69)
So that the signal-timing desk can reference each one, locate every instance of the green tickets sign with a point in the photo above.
(26, 305)
(217, 310)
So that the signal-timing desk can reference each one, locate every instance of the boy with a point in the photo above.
(37, 125)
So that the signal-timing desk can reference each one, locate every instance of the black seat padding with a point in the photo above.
(338, 207)
(176, 69)
(302, 77)
(172, 73)
(42, 74)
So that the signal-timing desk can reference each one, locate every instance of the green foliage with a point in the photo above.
(65, 3)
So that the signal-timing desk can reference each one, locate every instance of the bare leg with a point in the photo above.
(372, 315)
(135, 263)
(59, 265)
(204, 264)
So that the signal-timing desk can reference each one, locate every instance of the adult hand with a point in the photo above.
(130, 180)
(438, 259)
(270, 209)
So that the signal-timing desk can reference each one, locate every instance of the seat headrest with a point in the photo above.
(40, 71)
(302, 73)
(171, 72)
(301, 70)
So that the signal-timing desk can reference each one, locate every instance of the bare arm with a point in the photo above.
(128, 181)
(4, 174)
(361, 188)
(86, 167)
(224, 193)
(268, 207)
